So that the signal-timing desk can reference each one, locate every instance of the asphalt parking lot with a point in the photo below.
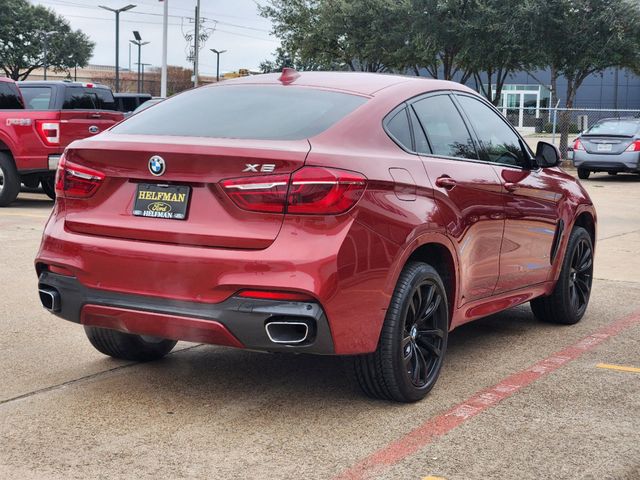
(517, 399)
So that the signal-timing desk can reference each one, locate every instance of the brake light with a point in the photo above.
(49, 132)
(577, 145)
(309, 191)
(76, 181)
(258, 194)
(634, 147)
(271, 295)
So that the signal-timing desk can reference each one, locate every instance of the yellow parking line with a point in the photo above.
(620, 368)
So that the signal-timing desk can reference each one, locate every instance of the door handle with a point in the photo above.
(446, 182)
(511, 187)
(95, 115)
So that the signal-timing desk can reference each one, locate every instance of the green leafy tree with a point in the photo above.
(498, 43)
(22, 40)
(578, 38)
(438, 37)
(362, 35)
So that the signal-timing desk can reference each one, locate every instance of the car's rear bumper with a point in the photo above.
(340, 263)
(624, 162)
(236, 322)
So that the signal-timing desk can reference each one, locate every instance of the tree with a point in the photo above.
(578, 38)
(498, 43)
(438, 38)
(22, 38)
(363, 35)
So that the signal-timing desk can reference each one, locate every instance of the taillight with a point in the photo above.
(49, 132)
(258, 194)
(317, 190)
(76, 181)
(577, 145)
(309, 191)
(634, 147)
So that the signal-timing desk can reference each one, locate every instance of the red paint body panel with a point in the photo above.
(349, 262)
(155, 324)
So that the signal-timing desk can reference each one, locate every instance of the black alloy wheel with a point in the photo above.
(413, 340)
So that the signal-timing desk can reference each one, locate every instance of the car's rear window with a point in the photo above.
(248, 112)
(9, 96)
(36, 98)
(627, 128)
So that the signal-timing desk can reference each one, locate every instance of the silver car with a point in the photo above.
(612, 145)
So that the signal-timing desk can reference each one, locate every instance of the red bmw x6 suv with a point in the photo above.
(346, 214)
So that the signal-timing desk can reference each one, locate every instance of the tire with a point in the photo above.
(48, 185)
(583, 173)
(9, 180)
(406, 364)
(127, 346)
(570, 297)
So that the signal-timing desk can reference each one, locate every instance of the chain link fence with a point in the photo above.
(560, 126)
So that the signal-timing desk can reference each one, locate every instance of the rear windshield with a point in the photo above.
(627, 128)
(255, 112)
(36, 98)
(9, 96)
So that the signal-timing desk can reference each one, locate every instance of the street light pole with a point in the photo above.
(138, 41)
(45, 46)
(141, 66)
(117, 11)
(218, 53)
(165, 28)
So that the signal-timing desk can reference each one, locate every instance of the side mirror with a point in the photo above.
(547, 155)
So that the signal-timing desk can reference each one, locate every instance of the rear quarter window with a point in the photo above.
(9, 96)
(245, 112)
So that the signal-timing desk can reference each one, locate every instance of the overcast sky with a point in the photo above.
(239, 30)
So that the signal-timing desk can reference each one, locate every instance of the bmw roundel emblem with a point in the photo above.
(156, 165)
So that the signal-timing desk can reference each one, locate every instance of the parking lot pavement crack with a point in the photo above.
(81, 379)
(618, 235)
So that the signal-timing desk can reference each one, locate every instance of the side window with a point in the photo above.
(445, 129)
(499, 142)
(9, 96)
(398, 127)
(105, 98)
(79, 99)
(422, 146)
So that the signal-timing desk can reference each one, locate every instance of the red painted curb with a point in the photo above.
(442, 424)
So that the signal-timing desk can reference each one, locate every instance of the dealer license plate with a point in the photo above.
(161, 201)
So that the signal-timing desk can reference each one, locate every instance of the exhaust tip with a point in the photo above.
(50, 298)
(287, 332)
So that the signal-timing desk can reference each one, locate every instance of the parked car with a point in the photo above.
(32, 139)
(349, 214)
(128, 102)
(612, 145)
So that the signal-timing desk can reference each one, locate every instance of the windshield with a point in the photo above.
(625, 128)
(247, 112)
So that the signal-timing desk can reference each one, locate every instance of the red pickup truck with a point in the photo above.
(38, 120)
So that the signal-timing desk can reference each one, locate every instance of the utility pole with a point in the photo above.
(218, 53)
(117, 11)
(196, 45)
(165, 28)
(45, 47)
